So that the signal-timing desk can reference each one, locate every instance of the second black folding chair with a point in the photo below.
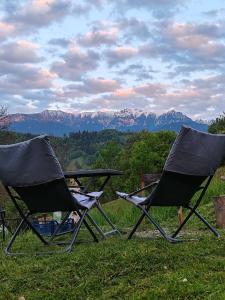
(190, 166)
(32, 174)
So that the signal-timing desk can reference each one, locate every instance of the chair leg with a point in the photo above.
(59, 227)
(9, 246)
(89, 228)
(2, 214)
(17, 231)
(193, 211)
(136, 226)
(182, 224)
(160, 229)
(76, 231)
(101, 232)
(99, 207)
(211, 228)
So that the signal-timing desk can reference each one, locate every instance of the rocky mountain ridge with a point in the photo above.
(58, 123)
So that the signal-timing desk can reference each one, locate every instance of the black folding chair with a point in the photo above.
(189, 169)
(31, 173)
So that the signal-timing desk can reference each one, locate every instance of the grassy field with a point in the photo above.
(142, 268)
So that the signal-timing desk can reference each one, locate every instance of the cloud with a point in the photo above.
(31, 15)
(6, 30)
(134, 28)
(151, 90)
(189, 96)
(15, 78)
(97, 38)
(159, 8)
(119, 55)
(75, 64)
(189, 47)
(214, 13)
(62, 42)
(138, 71)
(39, 13)
(91, 86)
(112, 102)
(20, 51)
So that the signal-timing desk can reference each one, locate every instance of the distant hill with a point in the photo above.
(58, 123)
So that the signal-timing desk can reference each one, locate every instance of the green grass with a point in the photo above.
(141, 268)
(120, 269)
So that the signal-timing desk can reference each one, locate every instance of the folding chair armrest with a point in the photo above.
(80, 193)
(144, 188)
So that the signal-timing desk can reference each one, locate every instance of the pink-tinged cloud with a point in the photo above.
(121, 54)
(31, 15)
(21, 77)
(20, 51)
(199, 40)
(124, 93)
(6, 30)
(91, 86)
(126, 51)
(101, 85)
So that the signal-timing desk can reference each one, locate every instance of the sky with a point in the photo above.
(92, 55)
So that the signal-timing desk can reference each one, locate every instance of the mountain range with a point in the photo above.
(58, 123)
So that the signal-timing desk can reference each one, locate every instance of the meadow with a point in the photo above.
(146, 267)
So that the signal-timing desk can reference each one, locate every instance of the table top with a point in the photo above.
(92, 173)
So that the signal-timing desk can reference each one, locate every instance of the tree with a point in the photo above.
(148, 155)
(4, 118)
(218, 125)
(108, 156)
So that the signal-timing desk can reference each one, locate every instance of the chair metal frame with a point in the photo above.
(92, 174)
(3, 223)
(25, 220)
(172, 238)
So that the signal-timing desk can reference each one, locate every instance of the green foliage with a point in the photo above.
(143, 152)
(146, 155)
(218, 126)
(108, 156)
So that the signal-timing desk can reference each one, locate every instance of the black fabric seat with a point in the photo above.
(31, 173)
(189, 169)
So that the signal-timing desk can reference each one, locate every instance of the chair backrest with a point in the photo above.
(194, 157)
(47, 197)
(33, 171)
(176, 189)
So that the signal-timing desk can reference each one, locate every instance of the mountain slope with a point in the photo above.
(59, 123)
